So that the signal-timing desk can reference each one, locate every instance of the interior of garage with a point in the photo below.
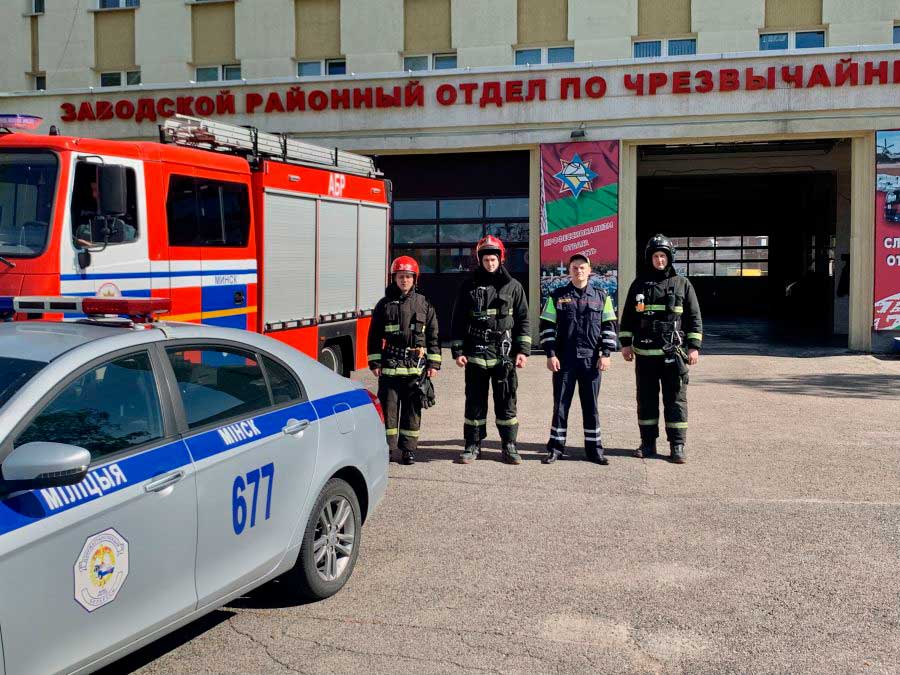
(444, 203)
(763, 231)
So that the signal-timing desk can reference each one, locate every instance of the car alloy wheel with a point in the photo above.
(334, 538)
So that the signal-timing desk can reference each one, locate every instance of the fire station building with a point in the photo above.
(756, 133)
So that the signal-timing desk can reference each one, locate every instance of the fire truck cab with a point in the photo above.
(239, 228)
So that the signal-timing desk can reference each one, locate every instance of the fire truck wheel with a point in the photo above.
(331, 358)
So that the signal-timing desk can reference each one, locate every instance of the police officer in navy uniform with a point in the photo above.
(490, 338)
(578, 332)
(403, 341)
(661, 331)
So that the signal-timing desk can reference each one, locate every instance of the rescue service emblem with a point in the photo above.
(576, 176)
(101, 569)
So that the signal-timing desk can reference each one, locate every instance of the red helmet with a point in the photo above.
(404, 264)
(490, 245)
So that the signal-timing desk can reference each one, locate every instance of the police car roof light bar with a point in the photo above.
(13, 122)
(210, 135)
(139, 310)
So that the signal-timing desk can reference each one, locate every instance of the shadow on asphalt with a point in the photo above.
(272, 595)
(166, 644)
(442, 451)
(836, 385)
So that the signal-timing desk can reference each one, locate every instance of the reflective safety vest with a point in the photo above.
(578, 323)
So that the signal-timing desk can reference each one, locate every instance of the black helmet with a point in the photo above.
(659, 242)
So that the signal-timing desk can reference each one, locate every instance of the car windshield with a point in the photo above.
(27, 188)
(14, 373)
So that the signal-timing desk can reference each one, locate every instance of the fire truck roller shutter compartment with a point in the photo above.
(763, 233)
(373, 223)
(289, 258)
(338, 266)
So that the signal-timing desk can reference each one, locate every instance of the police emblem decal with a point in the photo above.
(575, 175)
(101, 569)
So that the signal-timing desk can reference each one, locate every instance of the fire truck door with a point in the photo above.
(228, 254)
(118, 262)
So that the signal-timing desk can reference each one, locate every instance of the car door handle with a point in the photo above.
(294, 427)
(162, 483)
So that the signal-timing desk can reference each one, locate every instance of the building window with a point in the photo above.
(646, 49)
(118, 4)
(806, 39)
(336, 67)
(416, 63)
(429, 62)
(114, 79)
(309, 69)
(533, 56)
(217, 73)
(37, 6)
(40, 82)
(448, 61)
(897, 35)
(110, 79)
(441, 233)
(726, 256)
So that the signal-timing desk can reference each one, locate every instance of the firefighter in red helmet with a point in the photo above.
(403, 343)
(490, 338)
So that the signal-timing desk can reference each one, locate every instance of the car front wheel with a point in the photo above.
(330, 543)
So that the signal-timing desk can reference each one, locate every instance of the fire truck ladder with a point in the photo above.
(252, 143)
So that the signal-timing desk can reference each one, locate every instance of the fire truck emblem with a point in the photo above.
(101, 569)
(575, 175)
(109, 290)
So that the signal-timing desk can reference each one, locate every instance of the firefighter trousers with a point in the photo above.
(504, 389)
(651, 372)
(402, 411)
(585, 374)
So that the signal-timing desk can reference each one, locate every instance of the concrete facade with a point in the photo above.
(262, 29)
(484, 34)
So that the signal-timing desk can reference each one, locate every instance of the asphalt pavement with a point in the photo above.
(776, 548)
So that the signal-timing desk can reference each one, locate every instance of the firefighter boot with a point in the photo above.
(408, 457)
(678, 456)
(647, 449)
(552, 455)
(510, 454)
(471, 453)
(596, 455)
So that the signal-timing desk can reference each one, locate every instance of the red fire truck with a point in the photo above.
(239, 228)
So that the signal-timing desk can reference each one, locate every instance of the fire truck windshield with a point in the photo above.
(27, 190)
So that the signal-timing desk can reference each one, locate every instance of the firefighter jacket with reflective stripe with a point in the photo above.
(578, 323)
(669, 304)
(491, 312)
(403, 336)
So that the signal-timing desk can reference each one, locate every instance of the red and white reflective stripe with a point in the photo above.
(138, 309)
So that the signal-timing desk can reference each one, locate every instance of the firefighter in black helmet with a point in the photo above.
(661, 330)
(403, 342)
(490, 338)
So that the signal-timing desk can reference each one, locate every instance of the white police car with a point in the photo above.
(151, 473)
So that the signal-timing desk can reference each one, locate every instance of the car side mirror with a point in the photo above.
(112, 188)
(43, 464)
